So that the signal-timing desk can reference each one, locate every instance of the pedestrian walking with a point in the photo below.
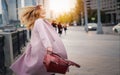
(54, 25)
(60, 28)
(43, 39)
(65, 28)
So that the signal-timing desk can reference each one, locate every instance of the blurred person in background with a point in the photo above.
(60, 28)
(65, 28)
(54, 24)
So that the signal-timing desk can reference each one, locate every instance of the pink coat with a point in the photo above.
(31, 61)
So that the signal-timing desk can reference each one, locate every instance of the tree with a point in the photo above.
(73, 15)
(79, 8)
(65, 18)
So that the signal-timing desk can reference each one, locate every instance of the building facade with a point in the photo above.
(118, 11)
(9, 12)
(47, 8)
(1, 12)
(110, 7)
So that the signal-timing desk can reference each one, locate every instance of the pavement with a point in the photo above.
(98, 54)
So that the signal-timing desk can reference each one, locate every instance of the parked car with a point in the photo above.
(92, 26)
(116, 28)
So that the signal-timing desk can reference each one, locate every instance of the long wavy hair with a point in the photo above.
(29, 14)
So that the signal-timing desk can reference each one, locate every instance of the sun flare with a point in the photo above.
(60, 6)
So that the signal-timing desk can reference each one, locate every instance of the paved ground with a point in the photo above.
(97, 54)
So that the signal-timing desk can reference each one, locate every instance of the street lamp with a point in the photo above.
(82, 19)
(99, 27)
(86, 16)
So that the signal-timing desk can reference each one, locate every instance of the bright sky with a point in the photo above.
(59, 6)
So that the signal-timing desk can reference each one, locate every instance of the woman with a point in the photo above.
(43, 39)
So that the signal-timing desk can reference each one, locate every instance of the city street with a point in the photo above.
(98, 54)
(96, 51)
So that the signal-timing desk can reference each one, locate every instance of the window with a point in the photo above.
(1, 19)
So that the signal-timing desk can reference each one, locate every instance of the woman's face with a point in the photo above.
(43, 13)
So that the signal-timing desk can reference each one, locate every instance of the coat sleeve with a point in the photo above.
(43, 34)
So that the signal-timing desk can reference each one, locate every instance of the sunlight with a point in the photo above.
(60, 6)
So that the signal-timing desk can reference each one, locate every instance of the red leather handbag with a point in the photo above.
(56, 64)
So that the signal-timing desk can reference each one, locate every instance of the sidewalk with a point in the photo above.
(97, 54)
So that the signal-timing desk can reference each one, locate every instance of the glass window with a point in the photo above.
(1, 19)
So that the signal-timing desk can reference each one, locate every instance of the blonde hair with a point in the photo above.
(29, 14)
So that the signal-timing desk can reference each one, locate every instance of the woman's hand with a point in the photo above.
(49, 50)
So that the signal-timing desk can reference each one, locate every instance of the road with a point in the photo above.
(98, 54)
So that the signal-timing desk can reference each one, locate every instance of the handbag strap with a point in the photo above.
(55, 54)
(67, 61)
(73, 63)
